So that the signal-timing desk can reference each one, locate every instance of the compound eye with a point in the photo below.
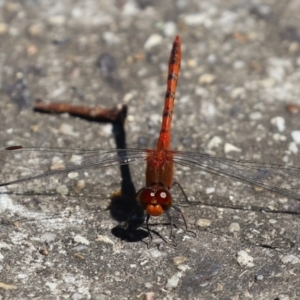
(163, 196)
(146, 195)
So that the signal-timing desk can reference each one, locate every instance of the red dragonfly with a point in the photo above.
(155, 198)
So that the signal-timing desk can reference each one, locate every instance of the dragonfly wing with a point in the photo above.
(19, 164)
(281, 179)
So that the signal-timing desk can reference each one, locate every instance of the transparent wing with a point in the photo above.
(281, 179)
(19, 164)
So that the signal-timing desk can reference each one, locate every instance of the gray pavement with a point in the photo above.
(238, 97)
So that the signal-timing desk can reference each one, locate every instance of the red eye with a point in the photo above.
(146, 195)
(163, 196)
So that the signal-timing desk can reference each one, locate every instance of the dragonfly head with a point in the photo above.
(155, 200)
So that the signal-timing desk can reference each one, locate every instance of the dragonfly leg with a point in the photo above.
(172, 238)
(171, 224)
(185, 223)
(181, 214)
(182, 190)
(149, 232)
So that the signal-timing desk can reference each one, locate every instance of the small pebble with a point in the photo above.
(80, 239)
(11, 7)
(293, 147)
(263, 10)
(48, 237)
(152, 41)
(282, 297)
(76, 159)
(181, 4)
(202, 92)
(36, 30)
(68, 130)
(234, 227)
(259, 277)
(210, 190)
(279, 122)
(207, 78)
(296, 136)
(78, 255)
(231, 148)
(105, 239)
(244, 259)
(279, 137)
(44, 252)
(110, 38)
(77, 296)
(272, 221)
(197, 19)
(294, 47)
(57, 163)
(51, 285)
(184, 268)
(13, 31)
(214, 142)
(106, 130)
(73, 175)
(239, 64)
(292, 108)
(32, 50)
(277, 68)
(177, 260)
(203, 223)
(4, 245)
(267, 83)
(290, 258)
(208, 109)
(62, 189)
(149, 296)
(191, 63)
(130, 8)
(172, 282)
(212, 59)
(76, 13)
(257, 115)
(3, 28)
(238, 92)
(7, 287)
(80, 185)
(227, 21)
(57, 20)
(169, 29)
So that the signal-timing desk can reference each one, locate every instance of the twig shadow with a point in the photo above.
(124, 207)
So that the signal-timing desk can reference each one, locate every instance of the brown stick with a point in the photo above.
(115, 114)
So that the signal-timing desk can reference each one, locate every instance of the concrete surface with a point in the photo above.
(240, 74)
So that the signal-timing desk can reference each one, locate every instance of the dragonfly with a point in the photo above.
(28, 163)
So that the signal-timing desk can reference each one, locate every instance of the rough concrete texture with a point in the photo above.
(238, 97)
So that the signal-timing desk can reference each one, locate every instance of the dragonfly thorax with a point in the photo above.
(155, 200)
(160, 168)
